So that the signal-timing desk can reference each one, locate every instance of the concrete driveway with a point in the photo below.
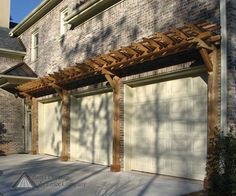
(49, 176)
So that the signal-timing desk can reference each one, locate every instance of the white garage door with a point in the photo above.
(166, 128)
(49, 126)
(91, 129)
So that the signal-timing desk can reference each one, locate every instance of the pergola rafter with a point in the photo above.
(192, 36)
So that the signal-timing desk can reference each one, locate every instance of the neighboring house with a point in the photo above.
(12, 53)
(150, 106)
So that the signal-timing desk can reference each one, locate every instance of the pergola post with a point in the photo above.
(115, 167)
(65, 118)
(34, 121)
(213, 111)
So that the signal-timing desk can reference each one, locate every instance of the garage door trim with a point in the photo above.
(182, 73)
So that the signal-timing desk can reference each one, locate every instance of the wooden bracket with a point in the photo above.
(201, 43)
(110, 80)
(204, 48)
(206, 59)
(58, 89)
(105, 71)
(108, 75)
(27, 96)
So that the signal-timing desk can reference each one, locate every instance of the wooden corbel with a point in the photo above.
(26, 95)
(108, 75)
(58, 89)
(102, 69)
(204, 49)
(206, 59)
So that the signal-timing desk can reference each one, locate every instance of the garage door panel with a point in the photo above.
(180, 167)
(50, 133)
(199, 85)
(161, 132)
(179, 145)
(162, 146)
(180, 109)
(199, 112)
(168, 127)
(92, 128)
(180, 88)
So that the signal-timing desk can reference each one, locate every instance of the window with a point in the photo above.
(35, 46)
(64, 14)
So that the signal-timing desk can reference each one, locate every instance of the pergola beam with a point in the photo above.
(159, 45)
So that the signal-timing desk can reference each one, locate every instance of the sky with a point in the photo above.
(21, 8)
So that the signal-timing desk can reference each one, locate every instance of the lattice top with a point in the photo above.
(174, 41)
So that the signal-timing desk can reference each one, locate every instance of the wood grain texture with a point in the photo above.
(34, 110)
(115, 167)
(65, 115)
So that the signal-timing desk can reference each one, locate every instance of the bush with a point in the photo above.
(223, 165)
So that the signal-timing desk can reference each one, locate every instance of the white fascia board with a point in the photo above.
(15, 53)
(34, 16)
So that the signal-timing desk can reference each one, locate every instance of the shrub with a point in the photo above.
(222, 160)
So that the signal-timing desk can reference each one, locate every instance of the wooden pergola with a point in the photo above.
(200, 36)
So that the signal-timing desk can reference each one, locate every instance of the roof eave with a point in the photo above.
(12, 53)
(33, 17)
(13, 80)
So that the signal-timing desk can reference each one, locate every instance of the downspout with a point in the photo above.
(223, 67)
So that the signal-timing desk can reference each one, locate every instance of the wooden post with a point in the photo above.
(115, 167)
(65, 117)
(213, 113)
(34, 120)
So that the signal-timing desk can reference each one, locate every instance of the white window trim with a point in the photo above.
(34, 47)
(63, 24)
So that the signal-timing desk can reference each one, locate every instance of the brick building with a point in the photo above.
(12, 109)
(164, 107)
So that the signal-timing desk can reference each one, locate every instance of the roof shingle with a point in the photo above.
(7, 42)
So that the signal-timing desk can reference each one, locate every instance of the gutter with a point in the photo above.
(17, 77)
(80, 9)
(223, 69)
(42, 9)
(14, 53)
(88, 10)
(6, 80)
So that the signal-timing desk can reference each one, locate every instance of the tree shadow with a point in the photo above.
(91, 132)
(167, 122)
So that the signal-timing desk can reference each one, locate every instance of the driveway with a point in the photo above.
(49, 176)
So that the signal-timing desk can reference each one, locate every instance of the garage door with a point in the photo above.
(49, 126)
(91, 128)
(166, 127)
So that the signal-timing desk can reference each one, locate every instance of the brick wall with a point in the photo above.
(231, 16)
(11, 124)
(11, 115)
(121, 24)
